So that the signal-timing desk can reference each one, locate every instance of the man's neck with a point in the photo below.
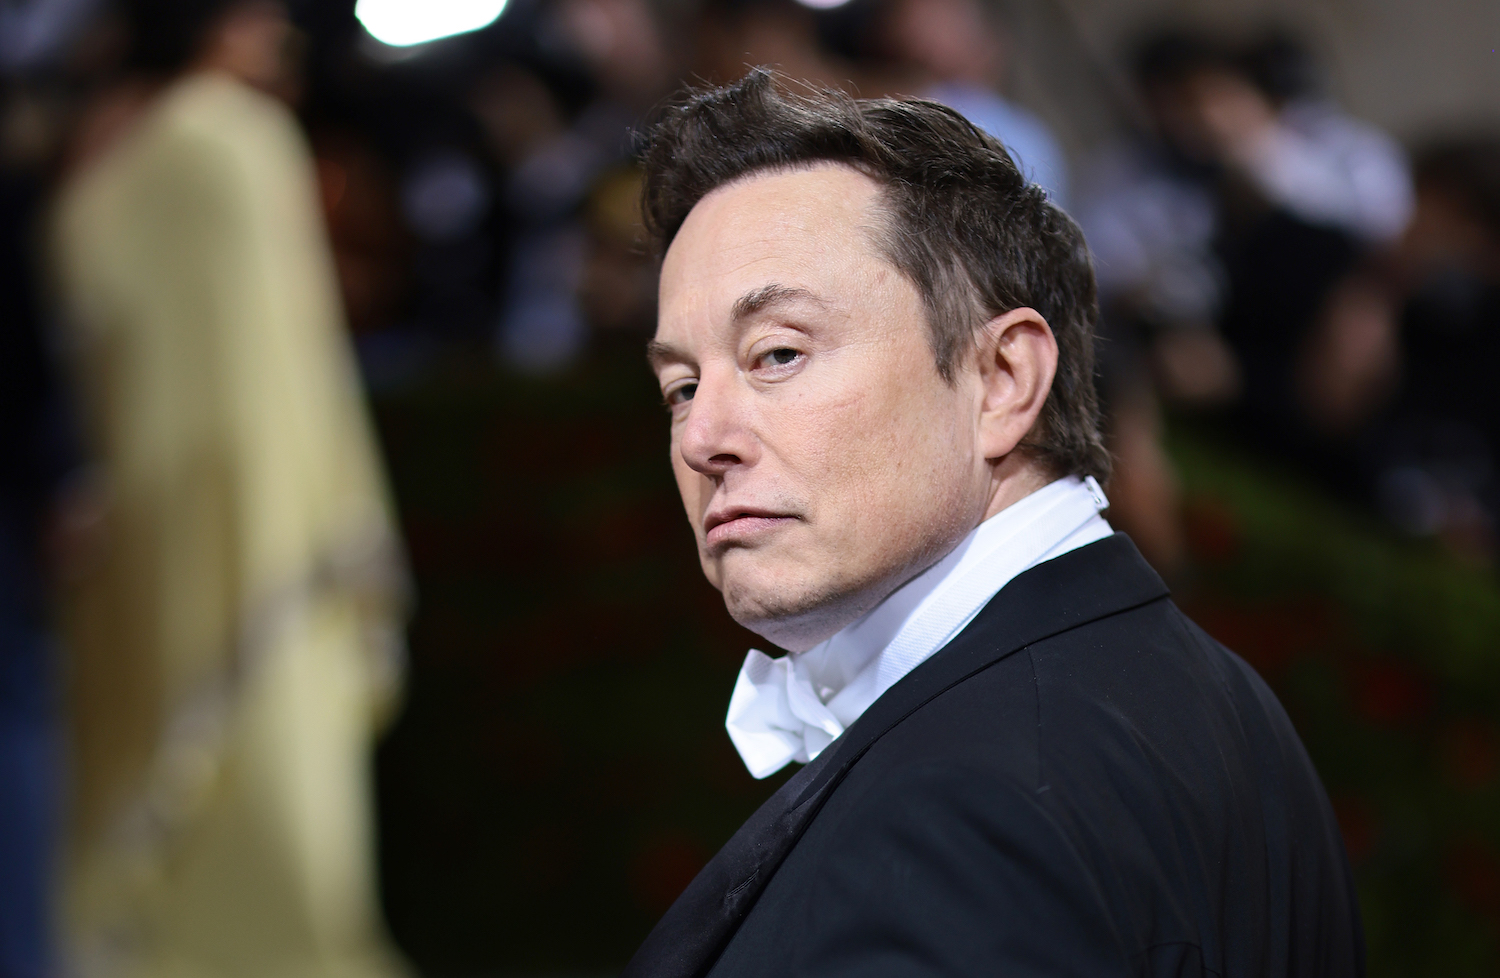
(1012, 479)
(843, 676)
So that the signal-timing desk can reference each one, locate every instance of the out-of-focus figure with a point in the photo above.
(1264, 117)
(1149, 210)
(1221, 237)
(235, 642)
(956, 51)
(1440, 466)
(1250, 171)
(1402, 360)
(554, 166)
(1305, 193)
(36, 459)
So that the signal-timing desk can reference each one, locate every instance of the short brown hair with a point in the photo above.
(970, 232)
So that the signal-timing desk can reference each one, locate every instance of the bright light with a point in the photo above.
(822, 4)
(402, 23)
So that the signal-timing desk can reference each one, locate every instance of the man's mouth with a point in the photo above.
(740, 524)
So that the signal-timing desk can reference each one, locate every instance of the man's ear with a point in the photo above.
(1017, 361)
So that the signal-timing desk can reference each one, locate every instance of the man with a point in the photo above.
(231, 643)
(875, 344)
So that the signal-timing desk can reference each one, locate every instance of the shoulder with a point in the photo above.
(938, 867)
(1127, 764)
(213, 131)
(1146, 698)
(220, 109)
(1119, 784)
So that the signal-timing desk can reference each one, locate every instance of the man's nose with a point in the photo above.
(715, 436)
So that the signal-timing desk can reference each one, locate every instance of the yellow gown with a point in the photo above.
(233, 649)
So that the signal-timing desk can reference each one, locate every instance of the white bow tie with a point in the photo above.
(776, 715)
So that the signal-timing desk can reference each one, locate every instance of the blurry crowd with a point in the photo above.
(1288, 274)
(181, 179)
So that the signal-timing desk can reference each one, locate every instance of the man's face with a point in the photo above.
(251, 41)
(822, 459)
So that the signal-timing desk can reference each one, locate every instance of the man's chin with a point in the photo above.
(793, 616)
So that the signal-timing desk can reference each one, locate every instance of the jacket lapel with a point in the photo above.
(1089, 583)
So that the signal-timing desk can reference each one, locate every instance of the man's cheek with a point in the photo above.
(688, 490)
(713, 570)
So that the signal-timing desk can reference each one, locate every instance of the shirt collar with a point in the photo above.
(795, 705)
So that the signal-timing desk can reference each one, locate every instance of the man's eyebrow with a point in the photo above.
(773, 294)
(756, 300)
(659, 353)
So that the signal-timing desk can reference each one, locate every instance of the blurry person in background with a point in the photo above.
(1220, 237)
(1305, 193)
(1440, 471)
(1273, 121)
(626, 49)
(556, 166)
(37, 461)
(1148, 211)
(1401, 364)
(635, 56)
(235, 643)
(1252, 195)
(954, 52)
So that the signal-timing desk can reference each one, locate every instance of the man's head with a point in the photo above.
(873, 335)
(243, 38)
(945, 40)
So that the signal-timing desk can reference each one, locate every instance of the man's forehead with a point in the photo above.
(774, 207)
(772, 228)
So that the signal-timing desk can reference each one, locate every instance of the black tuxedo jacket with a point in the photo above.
(1081, 783)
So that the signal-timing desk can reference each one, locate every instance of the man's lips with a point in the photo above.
(740, 524)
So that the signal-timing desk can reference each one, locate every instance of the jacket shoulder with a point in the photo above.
(1127, 789)
(934, 868)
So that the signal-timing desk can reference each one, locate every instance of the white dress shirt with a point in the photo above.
(790, 708)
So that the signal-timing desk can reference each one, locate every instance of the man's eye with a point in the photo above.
(780, 357)
(681, 394)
